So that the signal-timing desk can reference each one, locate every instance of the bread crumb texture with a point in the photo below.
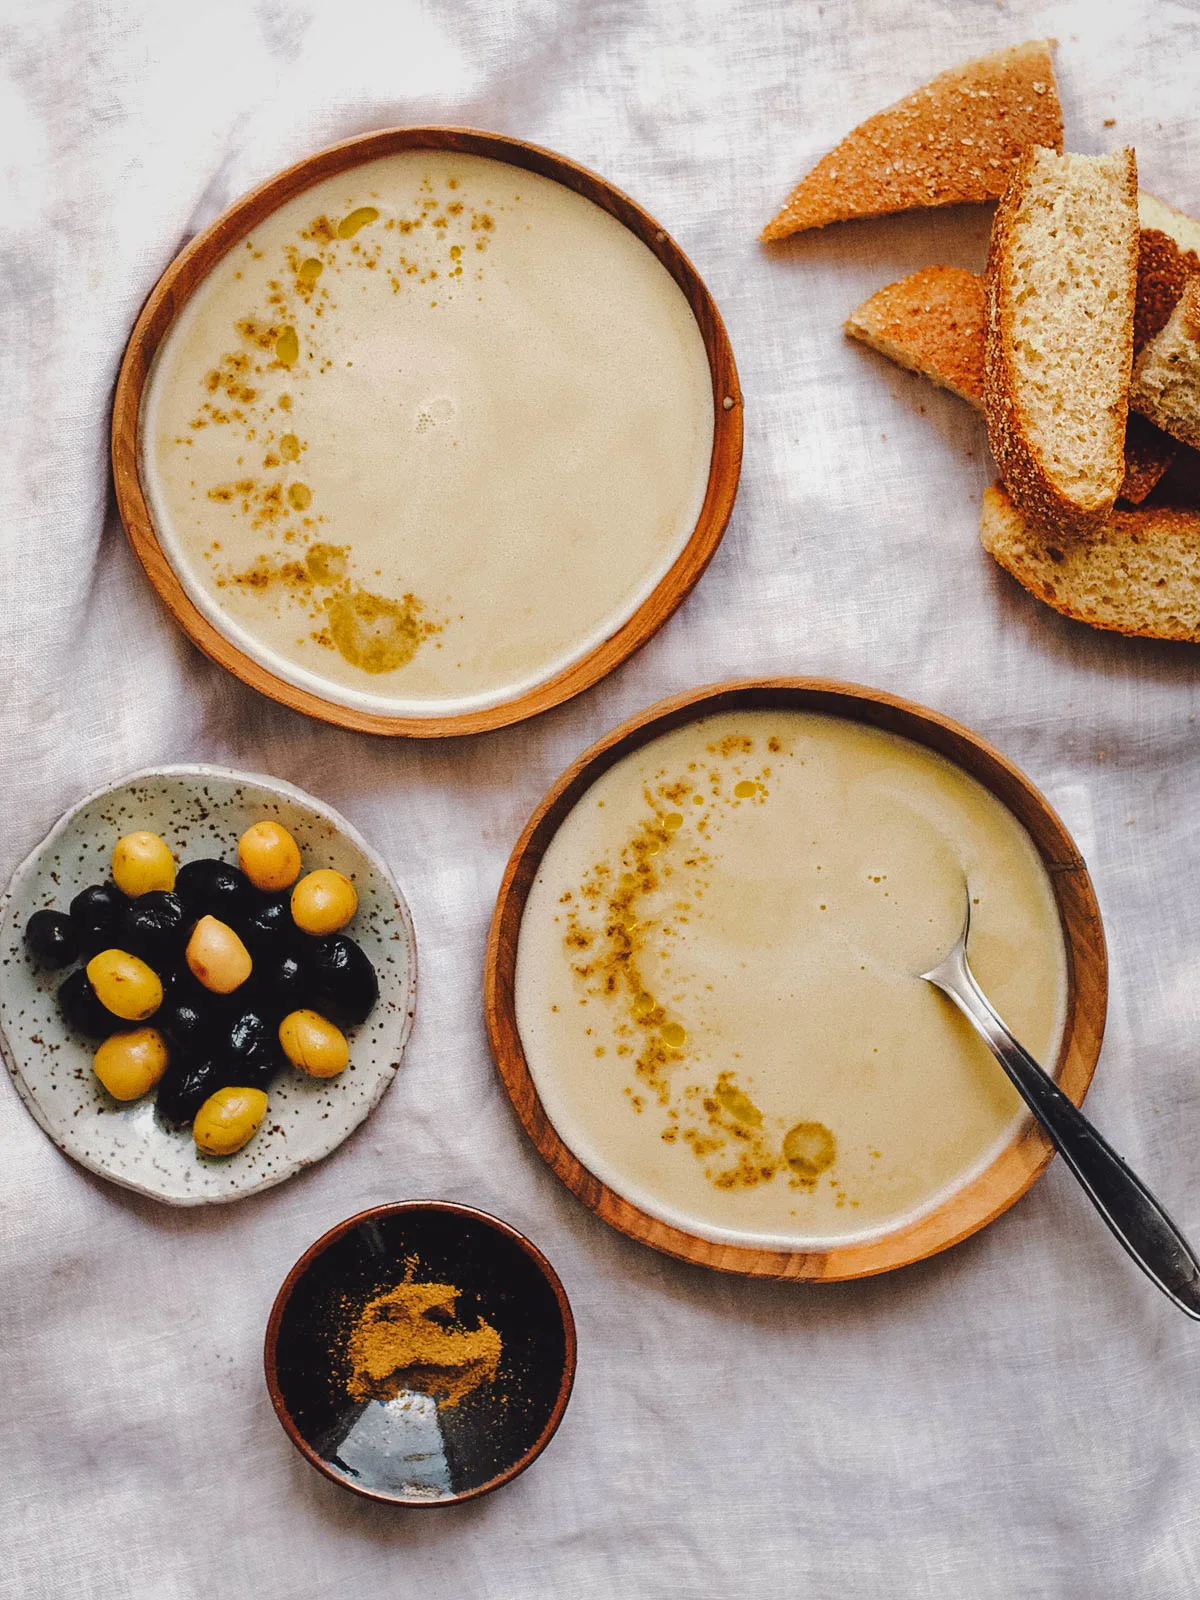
(955, 139)
(1062, 283)
(932, 322)
(1140, 575)
(1166, 379)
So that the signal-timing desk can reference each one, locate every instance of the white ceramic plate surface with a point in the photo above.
(200, 811)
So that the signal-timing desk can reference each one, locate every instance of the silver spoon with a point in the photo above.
(1127, 1206)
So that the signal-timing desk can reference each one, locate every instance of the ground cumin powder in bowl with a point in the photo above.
(421, 1353)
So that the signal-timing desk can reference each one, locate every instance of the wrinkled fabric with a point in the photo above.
(1017, 1417)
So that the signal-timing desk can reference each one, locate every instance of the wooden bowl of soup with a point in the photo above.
(427, 433)
(703, 991)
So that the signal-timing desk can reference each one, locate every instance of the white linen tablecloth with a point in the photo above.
(1018, 1417)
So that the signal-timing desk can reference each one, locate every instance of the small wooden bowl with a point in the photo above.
(969, 1208)
(189, 270)
(491, 1434)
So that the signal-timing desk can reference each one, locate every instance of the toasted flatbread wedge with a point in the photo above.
(932, 323)
(1058, 346)
(1166, 377)
(1139, 575)
(957, 138)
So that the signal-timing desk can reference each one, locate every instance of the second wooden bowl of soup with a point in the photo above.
(427, 433)
(702, 984)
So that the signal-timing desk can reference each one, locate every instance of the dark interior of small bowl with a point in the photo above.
(409, 1449)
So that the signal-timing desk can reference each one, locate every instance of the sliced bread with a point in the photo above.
(1177, 225)
(1139, 575)
(932, 323)
(1058, 346)
(956, 138)
(1163, 270)
(1166, 376)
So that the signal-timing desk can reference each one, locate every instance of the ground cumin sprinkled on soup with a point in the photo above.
(615, 919)
(410, 1338)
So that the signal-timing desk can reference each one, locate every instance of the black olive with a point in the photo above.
(186, 1085)
(283, 983)
(188, 1026)
(82, 1010)
(155, 926)
(212, 888)
(344, 983)
(50, 938)
(95, 916)
(252, 1046)
(270, 926)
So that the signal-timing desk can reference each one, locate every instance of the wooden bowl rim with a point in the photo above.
(398, 1208)
(190, 268)
(967, 1209)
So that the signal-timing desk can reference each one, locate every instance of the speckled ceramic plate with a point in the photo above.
(200, 811)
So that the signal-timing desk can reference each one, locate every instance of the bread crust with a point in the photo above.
(1117, 567)
(932, 323)
(954, 139)
(1025, 474)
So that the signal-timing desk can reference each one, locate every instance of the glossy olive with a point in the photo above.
(284, 981)
(344, 983)
(323, 901)
(217, 957)
(314, 1044)
(269, 856)
(142, 862)
(229, 1119)
(190, 1026)
(125, 984)
(154, 926)
(81, 1010)
(51, 939)
(269, 927)
(96, 914)
(186, 1085)
(130, 1064)
(251, 1045)
(211, 888)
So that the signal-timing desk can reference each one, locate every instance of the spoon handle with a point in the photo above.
(1127, 1206)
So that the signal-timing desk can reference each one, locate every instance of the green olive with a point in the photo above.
(269, 856)
(141, 862)
(323, 901)
(313, 1044)
(124, 985)
(228, 1119)
(130, 1064)
(217, 957)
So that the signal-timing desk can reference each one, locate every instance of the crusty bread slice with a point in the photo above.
(1177, 225)
(1058, 346)
(1139, 575)
(932, 323)
(1166, 376)
(1163, 270)
(956, 138)
(1149, 455)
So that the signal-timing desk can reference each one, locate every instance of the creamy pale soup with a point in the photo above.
(432, 432)
(717, 980)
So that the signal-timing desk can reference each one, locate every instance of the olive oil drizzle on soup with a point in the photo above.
(717, 981)
(429, 434)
